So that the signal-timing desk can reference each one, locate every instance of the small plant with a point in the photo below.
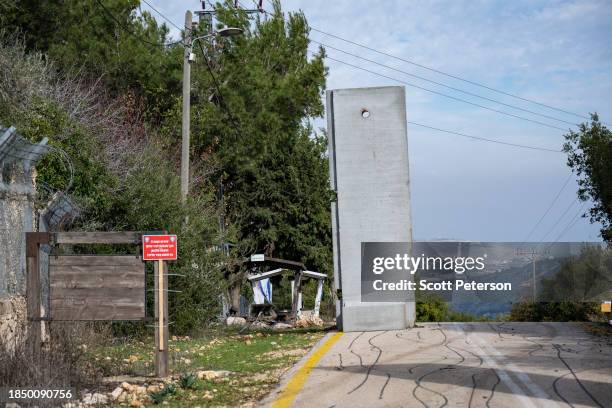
(159, 396)
(188, 381)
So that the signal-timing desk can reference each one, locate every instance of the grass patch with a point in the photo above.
(220, 369)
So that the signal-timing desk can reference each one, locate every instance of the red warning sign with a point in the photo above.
(159, 247)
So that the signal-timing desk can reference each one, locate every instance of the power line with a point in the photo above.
(572, 203)
(448, 96)
(444, 85)
(414, 123)
(450, 75)
(475, 83)
(129, 31)
(441, 72)
(486, 139)
(569, 177)
(210, 71)
(572, 222)
(218, 88)
(162, 15)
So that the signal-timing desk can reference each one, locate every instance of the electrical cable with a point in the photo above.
(447, 96)
(484, 139)
(129, 31)
(444, 85)
(475, 83)
(453, 76)
(569, 177)
(572, 203)
(218, 88)
(162, 15)
(572, 222)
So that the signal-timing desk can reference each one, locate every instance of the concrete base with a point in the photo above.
(376, 316)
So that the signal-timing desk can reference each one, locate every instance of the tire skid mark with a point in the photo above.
(418, 384)
(418, 381)
(420, 340)
(350, 348)
(499, 330)
(556, 389)
(493, 389)
(571, 371)
(382, 390)
(473, 390)
(480, 363)
(411, 369)
(540, 346)
(550, 333)
(340, 366)
(495, 367)
(371, 366)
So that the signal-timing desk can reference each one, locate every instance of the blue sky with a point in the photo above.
(555, 52)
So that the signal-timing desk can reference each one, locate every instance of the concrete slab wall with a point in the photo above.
(370, 174)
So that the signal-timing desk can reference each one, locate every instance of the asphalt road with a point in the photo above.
(464, 365)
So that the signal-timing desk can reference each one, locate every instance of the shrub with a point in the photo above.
(63, 361)
(554, 311)
(188, 381)
(159, 396)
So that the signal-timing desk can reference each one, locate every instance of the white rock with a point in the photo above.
(95, 399)
(116, 393)
(211, 374)
(235, 321)
(260, 325)
(282, 326)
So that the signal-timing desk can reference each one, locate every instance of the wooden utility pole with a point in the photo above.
(186, 107)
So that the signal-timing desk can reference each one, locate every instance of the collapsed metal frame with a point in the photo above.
(299, 270)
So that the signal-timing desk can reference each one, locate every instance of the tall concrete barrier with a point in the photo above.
(368, 150)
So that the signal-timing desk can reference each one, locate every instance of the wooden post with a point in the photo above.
(161, 315)
(33, 241)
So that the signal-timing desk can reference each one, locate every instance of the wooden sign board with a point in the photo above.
(97, 287)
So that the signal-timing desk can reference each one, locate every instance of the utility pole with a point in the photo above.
(188, 58)
(533, 255)
(185, 133)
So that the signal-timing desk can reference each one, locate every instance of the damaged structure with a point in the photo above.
(262, 268)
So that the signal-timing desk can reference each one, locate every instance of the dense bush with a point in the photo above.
(119, 172)
(554, 311)
(430, 308)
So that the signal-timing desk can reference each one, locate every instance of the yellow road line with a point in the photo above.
(295, 384)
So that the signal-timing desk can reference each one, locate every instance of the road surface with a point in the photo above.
(461, 365)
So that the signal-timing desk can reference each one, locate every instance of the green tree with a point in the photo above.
(123, 178)
(590, 155)
(583, 278)
(103, 38)
(254, 116)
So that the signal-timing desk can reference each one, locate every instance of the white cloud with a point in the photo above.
(556, 52)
